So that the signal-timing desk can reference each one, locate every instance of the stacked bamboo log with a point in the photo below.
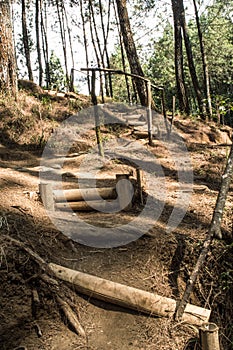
(89, 199)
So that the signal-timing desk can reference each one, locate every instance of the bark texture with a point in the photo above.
(26, 44)
(130, 49)
(8, 78)
(180, 80)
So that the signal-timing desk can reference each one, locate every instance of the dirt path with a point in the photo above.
(160, 262)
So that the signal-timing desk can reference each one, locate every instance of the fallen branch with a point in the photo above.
(71, 316)
(35, 303)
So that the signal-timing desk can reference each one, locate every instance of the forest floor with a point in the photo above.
(159, 262)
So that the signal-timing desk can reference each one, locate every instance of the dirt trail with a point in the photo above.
(159, 262)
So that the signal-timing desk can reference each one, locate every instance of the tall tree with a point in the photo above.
(123, 59)
(108, 78)
(26, 44)
(204, 62)
(179, 65)
(44, 36)
(130, 49)
(189, 53)
(71, 81)
(85, 43)
(8, 78)
(97, 44)
(38, 48)
(61, 21)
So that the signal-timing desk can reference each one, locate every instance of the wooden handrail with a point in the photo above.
(118, 71)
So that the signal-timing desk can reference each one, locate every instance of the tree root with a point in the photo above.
(47, 276)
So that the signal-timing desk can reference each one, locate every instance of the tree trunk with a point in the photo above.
(179, 67)
(122, 55)
(191, 64)
(204, 63)
(8, 77)
(108, 77)
(85, 44)
(130, 49)
(71, 80)
(63, 39)
(96, 114)
(98, 48)
(26, 41)
(95, 48)
(45, 42)
(37, 25)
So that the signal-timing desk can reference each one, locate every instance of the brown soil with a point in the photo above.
(159, 262)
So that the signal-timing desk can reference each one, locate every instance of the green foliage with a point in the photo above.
(118, 81)
(160, 67)
(217, 28)
(57, 76)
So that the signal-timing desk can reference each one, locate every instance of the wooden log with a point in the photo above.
(140, 134)
(176, 186)
(87, 206)
(124, 191)
(84, 194)
(139, 184)
(46, 194)
(129, 297)
(135, 123)
(149, 112)
(208, 333)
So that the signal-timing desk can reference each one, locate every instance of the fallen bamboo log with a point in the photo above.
(135, 123)
(88, 206)
(84, 193)
(128, 296)
(46, 193)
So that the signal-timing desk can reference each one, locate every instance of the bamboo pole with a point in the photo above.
(209, 339)
(46, 194)
(164, 112)
(149, 112)
(88, 206)
(84, 194)
(129, 297)
(97, 121)
(124, 191)
(139, 184)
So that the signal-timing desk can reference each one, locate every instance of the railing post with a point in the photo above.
(165, 113)
(97, 121)
(149, 112)
(46, 194)
(209, 336)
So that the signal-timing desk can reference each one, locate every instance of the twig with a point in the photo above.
(38, 329)
(35, 303)
(71, 316)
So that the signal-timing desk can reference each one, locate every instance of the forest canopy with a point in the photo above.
(184, 46)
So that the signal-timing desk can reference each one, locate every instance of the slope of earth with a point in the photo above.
(159, 261)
